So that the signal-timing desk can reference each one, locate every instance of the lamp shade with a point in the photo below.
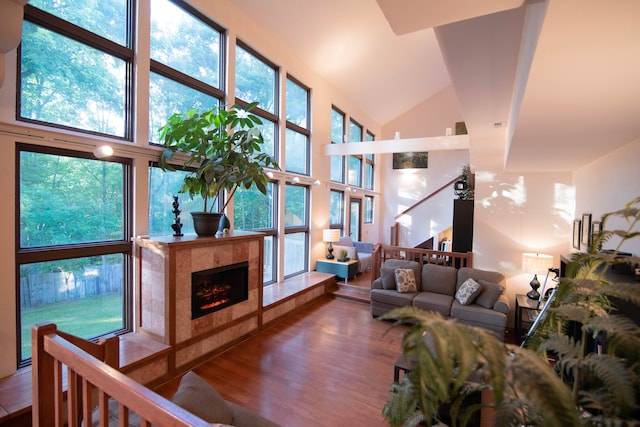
(536, 263)
(330, 235)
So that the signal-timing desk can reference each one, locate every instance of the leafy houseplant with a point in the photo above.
(225, 147)
(451, 361)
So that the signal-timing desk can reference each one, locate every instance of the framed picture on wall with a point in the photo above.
(596, 228)
(576, 234)
(586, 229)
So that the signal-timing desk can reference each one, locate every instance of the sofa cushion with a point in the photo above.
(388, 277)
(392, 297)
(490, 293)
(405, 280)
(350, 250)
(479, 316)
(490, 276)
(468, 292)
(439, 279)
(198, 397)
(432, 301)
(402, 263)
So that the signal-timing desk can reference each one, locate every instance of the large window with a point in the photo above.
(76, 63)
(336, 209)
(253, 210)
(297, 142)
(186, 63)
(73, 243)
(369, 161)
(337, 137)
(368, 209)
(296, 223)
(257, 81)
(355, 161)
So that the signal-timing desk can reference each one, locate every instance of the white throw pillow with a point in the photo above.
(468, 292)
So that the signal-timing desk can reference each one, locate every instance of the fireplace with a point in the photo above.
(218, 288)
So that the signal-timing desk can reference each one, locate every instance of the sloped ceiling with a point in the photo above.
(542, 85)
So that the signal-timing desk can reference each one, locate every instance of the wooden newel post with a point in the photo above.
(42, 371)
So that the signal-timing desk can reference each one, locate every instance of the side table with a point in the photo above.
(526, 312)
(346, 270)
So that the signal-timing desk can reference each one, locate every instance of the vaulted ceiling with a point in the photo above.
(542, 85)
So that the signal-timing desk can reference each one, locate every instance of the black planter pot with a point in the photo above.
(206, 223)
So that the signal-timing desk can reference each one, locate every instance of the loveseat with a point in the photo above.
(360, 251)
(444, 289)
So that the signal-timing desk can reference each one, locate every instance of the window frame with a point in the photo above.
(83, 36)
(59, 252)
(300, 129)
(336, 110)
(294, 229)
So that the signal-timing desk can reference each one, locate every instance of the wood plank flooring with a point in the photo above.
(328, 365)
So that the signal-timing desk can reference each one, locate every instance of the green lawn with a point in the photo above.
(85, 318)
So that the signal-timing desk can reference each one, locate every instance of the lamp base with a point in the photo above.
(533, 294)
(330, 250)
(535, 284)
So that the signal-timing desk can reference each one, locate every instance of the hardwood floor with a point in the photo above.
(329, 365)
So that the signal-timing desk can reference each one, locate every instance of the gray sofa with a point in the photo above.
(436, 290)
(360, 251)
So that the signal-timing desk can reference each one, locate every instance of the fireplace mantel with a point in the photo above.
(164, 268)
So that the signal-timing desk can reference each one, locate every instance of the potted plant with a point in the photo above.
(225, 147)
(343, 256)
(555, 380)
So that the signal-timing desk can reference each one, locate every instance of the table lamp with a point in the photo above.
(536, 264)
(330, 235)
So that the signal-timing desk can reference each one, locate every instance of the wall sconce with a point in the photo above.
(270, 175)
(536, 264)
(103, 151)
(316, 182)
(330, 235)
(295, 180)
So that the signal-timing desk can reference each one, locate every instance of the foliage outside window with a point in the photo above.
(369, 162)
(296, 222)
(255, 211)
(354, 176)
(74, 243)
(255, 79)
(336, 209)
(186, 50)
(297, 136)
(368, 209)
(337, 137)
(70, 78)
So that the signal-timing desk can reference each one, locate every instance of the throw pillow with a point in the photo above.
(489, 295)
(469, 290)
(351, 251)
(405, 280)
(387, 274)
(198, 397)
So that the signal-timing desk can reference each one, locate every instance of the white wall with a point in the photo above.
(607, 185)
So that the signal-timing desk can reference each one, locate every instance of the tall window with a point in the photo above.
(297, 142)
(355, 161)
(368, 209)
(257, 81)
(253, 210)
(73, 243)
(186, 50)
(337, 137)
(70, 77)
(336, 209)
(368, 164)
(296, 226)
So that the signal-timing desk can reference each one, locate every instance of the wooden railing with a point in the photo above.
(89, 378)
(425, 256)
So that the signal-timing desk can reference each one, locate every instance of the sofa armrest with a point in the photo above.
(502, 304)
(363, 247)
(377, 284)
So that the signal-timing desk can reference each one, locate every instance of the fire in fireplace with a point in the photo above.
(218, 288)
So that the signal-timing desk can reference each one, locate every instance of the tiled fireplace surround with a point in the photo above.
(164, 267)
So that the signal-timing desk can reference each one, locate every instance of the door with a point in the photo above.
(355, 219)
